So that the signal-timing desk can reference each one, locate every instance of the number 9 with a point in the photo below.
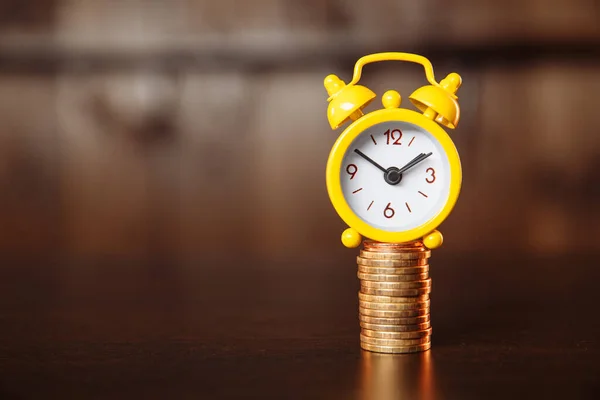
(351, 169)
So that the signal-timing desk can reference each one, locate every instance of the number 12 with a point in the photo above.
(391, 135)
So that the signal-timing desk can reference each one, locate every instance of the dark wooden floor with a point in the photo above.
(505, 326)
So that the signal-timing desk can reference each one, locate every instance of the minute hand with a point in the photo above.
(363, 155)
(414, 162)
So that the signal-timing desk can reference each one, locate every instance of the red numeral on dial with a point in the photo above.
(351, 169)
(391, 136)
(432, 172)
(388, 211)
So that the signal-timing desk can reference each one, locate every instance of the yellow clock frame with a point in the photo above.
(340, 148)
(438, 103)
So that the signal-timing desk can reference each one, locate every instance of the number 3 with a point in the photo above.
(432, 172)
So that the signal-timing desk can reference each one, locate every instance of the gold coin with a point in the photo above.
(392, 299)
(395, 349)
(396, 335)
(395, 328)
(364, 269)
(397, 285)
(371, 305)
(405, 255)
(394, 342)
(393, 314)
(392, 278)
(417, 262)
(394, 292)
(394, 321)
(373, 245)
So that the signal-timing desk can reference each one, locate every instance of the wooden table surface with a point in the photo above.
(503, 327)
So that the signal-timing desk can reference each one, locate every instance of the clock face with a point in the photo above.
(379, 183)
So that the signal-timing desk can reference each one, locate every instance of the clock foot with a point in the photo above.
(351, 238)
(433, 240)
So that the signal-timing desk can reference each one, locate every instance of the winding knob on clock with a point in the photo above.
(391, 99)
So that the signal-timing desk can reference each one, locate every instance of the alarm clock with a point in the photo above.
(394, 174)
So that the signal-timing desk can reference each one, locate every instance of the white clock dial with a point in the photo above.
(377, 197)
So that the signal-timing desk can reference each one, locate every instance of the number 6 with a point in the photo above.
(388, 208)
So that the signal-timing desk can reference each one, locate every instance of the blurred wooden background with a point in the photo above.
(174, 129)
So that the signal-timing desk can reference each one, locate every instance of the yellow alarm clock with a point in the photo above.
(394, 174)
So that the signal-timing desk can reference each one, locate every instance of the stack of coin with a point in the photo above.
(394, 297)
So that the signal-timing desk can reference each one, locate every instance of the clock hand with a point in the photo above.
(414, 162)
(363, 155)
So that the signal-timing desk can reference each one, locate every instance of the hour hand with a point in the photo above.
(414, 162)
(363, 155)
